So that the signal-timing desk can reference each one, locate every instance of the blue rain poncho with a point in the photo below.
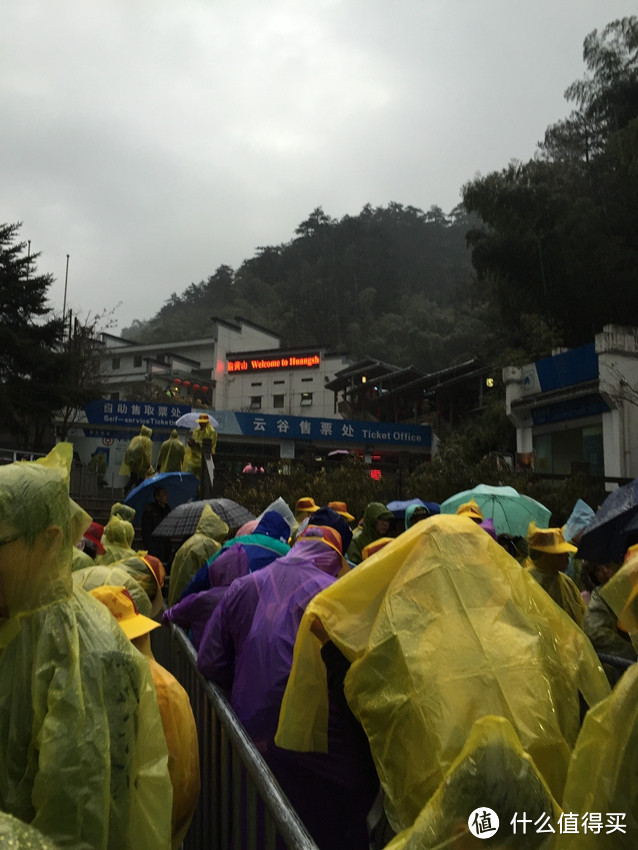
(82, 749)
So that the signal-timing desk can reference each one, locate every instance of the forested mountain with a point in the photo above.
(391, 281)
(554, 250)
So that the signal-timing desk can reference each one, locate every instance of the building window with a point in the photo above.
(257, 384)
(137, 361)
(306, 399)
(278, 400)
(279, 382)
(255, 402)
(115, 363)
(306, 380)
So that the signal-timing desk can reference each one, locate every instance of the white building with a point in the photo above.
(578, 410)
(288, 381)
(193, 366)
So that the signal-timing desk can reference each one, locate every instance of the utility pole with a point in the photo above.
(66, 281)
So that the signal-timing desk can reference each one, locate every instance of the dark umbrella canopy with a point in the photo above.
(182, 522)
(605, 538)
(181, 486)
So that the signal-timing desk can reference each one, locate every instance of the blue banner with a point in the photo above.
(335, 430)
(133, 414)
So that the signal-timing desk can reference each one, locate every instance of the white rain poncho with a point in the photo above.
(81, 743)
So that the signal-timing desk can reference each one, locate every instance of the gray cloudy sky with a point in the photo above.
(154, 140)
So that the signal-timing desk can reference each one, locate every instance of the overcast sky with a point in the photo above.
(154, 140)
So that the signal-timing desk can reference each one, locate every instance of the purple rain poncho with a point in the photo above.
(194, 611)
(247, 648)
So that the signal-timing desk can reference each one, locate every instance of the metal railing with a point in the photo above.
(241, 806)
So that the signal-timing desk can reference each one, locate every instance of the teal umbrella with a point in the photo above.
(510, 511)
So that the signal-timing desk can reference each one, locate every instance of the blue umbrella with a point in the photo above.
(181, 487)
(605, 538)
(399, 508)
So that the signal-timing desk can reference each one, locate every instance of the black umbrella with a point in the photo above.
(182, 520)
(604, 539)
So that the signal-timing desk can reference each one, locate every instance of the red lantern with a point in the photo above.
(205, 389)
(177, 381)
(195, 386)
(186, 383)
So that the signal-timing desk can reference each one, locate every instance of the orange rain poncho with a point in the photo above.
(82, 749)
(442, 628)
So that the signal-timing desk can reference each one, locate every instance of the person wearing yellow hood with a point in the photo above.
(118, 536)
(138, 459)
(171, 454)
(193, 456)
(210, 534)
(82, 750)
(548, 559)
(442, 627)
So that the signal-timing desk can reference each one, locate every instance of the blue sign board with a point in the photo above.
(133, 414)
(335, 430)
(571, 367)
(576, 408)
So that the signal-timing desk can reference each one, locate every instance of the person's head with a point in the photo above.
(304, 508)
(341, 508)
(203, 420)
(161, 495)
(548, 549)
(328, 518)
(414, 514)
(377, 519)
(601, 573)
(39, 526)
(471, 510)
(145, 431)
(174, 434)
(120, 603)
(92, 540)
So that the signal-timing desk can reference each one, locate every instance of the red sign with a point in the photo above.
(261, 364)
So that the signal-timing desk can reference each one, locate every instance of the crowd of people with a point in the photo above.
(397, 671)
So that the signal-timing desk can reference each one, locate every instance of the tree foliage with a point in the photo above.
(392, 279)
(558, 235)
(41, 372)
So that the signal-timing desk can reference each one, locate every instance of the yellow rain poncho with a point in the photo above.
(81, 745)
(117, 540)
(603, 772)
(194, 552)
(139, 455)
(15, 835)
(97, 576)
(193, 454)
(492, 770)
(171, 454)
(442, 628)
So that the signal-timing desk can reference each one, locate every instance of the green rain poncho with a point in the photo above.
(367, 533)
(97, 576)
(492, 770)
(171, 454)
(442, 627)
(208, 538)
(81, 744)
